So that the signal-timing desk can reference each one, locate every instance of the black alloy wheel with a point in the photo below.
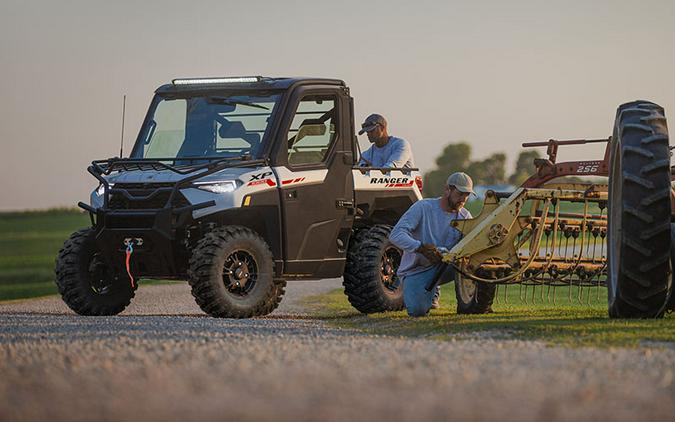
(240, 273)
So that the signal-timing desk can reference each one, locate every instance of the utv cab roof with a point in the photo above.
(241, 83)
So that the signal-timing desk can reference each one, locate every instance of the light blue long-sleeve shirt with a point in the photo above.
(424, 222)
(396, 153)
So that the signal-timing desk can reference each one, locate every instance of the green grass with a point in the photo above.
(568, 322)
(29, 243)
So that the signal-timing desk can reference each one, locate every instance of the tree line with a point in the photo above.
(490, 171)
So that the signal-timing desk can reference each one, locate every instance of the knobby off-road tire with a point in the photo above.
(84, 281)
(639, 213)
(370, 279)
(474, 297)
(231, 274)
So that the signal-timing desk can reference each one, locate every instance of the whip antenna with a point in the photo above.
(124, 109)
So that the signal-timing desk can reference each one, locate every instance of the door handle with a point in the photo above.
(341, 203)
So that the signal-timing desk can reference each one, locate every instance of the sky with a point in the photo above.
(491, 73)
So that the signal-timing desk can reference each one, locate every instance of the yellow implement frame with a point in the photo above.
(493, 246)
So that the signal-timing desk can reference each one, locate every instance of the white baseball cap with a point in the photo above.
(461, 181)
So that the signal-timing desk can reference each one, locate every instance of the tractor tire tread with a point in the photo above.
(643, 282)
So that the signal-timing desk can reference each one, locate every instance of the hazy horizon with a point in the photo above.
(491, 73)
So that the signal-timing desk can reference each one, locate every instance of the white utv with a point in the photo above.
(237, 185)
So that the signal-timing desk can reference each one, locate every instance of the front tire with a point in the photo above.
(232, 274)
(85, 282)
(639, 213)
(370, 280)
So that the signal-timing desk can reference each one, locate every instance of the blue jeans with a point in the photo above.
(416, 298)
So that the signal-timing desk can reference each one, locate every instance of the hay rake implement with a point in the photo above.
(582, 236)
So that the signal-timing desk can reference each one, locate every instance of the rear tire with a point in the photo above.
(370, 280)
(85, 282)
(639, 278)
(231, 274)
(474, 297)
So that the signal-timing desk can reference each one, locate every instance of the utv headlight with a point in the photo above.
(101, 189)
(217, 187)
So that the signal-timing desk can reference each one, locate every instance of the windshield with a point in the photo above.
(216, 126)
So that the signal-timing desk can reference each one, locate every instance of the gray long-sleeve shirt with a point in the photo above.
(424, 222)
(396, 153)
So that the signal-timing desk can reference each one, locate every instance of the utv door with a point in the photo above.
(315, 183)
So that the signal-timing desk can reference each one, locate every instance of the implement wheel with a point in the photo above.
(370, 279)
(639, 279)
(474, 297)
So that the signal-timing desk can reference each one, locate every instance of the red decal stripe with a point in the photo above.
(399, 185)
(289, 181)
(269, 182)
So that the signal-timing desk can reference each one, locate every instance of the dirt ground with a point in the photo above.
(163, 359)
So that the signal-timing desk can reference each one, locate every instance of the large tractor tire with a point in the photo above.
(639, 276)
(370, 279)
(85, 282)
(232, 274)
(474, 297)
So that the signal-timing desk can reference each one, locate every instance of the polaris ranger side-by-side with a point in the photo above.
(237, 185)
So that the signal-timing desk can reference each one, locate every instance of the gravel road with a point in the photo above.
(162, 359)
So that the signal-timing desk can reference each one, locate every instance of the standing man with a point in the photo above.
(420, 232)
(386, 151)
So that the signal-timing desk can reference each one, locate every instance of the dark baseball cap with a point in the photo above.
(372, 122)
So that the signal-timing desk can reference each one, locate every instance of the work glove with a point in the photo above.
(430, 252)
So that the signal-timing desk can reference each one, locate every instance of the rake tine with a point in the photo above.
(600, 272)
(534, 290)
(542, 293)
(526, 289)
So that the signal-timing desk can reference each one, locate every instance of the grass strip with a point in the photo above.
(572, 323)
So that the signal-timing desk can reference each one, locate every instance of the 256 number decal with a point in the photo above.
(588, 168)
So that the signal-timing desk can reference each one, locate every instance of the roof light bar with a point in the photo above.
(204, 81)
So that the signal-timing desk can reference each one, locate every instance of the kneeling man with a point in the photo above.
(424, 228)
